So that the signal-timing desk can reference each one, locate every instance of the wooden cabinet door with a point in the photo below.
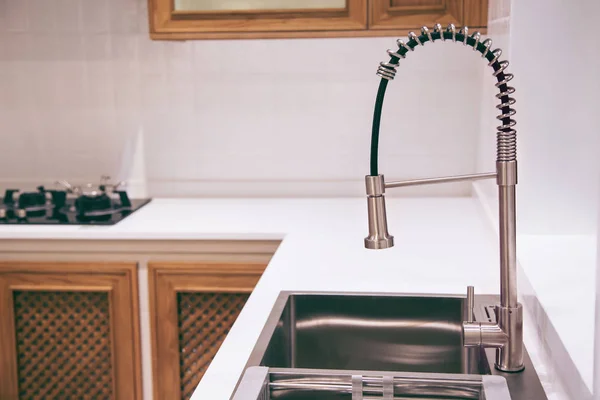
(218, 19)
(69, 330)
(412, 14)
(192, 308)
(475, 14)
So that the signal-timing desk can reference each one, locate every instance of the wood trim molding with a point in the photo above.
(119, 280)
(395, 33)
(163, 19)
(9, 379)
(412, 8)
(165, 280)
(75, 268)
(382, 15)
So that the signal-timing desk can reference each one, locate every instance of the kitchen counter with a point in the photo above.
(442, 245)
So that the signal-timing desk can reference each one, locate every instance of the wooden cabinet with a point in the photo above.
(210, 19)
(69, 330)
(412, 14)
(203, 21)
(192, 308)
(118, 319)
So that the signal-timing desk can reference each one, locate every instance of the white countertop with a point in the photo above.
(442, 245)
(259, 219)
(562, 271)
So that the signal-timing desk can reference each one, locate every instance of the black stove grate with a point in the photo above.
(65, 211)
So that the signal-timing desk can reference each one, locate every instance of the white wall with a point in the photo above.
(554, 59)
(559, 124)
(557, 103)
(596, 362)
(79, 78)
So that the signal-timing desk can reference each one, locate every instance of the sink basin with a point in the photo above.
(392, 333)
(262, 383)
(382, 332)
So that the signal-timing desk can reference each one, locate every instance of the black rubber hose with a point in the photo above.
(394, 60)
(376, 121)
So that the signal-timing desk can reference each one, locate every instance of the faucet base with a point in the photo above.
(509, 357)
(505, 334)
(516, 370)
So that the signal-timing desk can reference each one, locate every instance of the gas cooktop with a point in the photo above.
(105, 204)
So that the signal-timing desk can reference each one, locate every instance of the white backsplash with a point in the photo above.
(560, 125)
(558, 128)
(79, 78)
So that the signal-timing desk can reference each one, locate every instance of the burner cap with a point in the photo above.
(31, 199)
(93, 204)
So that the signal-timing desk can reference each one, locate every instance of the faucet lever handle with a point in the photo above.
(470, 303)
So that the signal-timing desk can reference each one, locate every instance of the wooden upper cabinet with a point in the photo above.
(234, 19)
(475, 14)
(204, 19)
(412, 14)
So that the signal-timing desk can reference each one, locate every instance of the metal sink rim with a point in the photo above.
(255, 382)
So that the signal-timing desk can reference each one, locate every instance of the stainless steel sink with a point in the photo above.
(382, 332)
(393, 333)
(262, 383)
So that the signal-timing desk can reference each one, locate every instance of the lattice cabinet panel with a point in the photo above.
(63, 345)
(204, 320)
(192, 309)
(69, 331)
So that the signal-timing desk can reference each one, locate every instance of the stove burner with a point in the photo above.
(105, 205)
(87, 205)
(33, 200)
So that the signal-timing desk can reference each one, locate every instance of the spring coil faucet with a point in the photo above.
(506, 335)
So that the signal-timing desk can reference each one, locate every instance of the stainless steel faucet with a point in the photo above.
(506, 335)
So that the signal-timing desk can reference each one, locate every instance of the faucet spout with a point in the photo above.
(378, 238)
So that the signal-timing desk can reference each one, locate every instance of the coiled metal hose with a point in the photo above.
(506, 135)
